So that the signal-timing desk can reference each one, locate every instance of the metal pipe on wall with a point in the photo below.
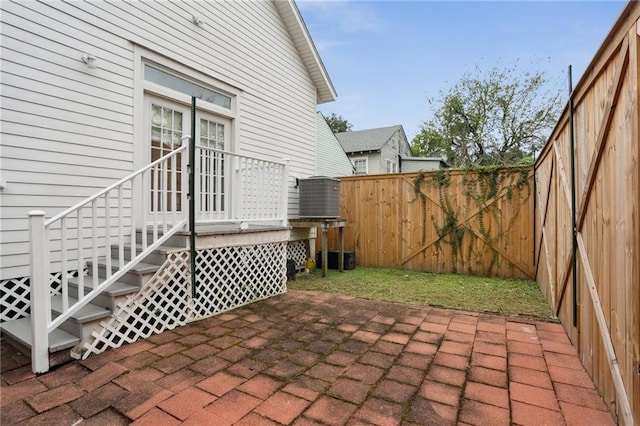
(192, 199)
(574, 239)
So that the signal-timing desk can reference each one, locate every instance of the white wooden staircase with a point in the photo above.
(229, 192)
(80, 325)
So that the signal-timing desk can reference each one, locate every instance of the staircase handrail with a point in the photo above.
(40, 248)
(115, 185)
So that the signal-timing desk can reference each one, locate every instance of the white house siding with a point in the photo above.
(396, 146)
(388, 152)
(68, 131)
(65, 130)
(403, 145)
(331, 159)
(373, 161)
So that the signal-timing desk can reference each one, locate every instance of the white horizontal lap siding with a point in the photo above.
(373, 162)
(60, 112)
(279, 103)
(244, 44)
(405, 149)
(67, 131)
(388, 152)
(330, 157)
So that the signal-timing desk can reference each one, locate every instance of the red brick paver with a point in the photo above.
(309, 358)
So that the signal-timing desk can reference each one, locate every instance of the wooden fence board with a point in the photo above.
(608, 219)
(604, 333)
(633, 303)
(396, 223)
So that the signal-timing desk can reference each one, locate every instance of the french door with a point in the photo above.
(212, 167)
(167, 124)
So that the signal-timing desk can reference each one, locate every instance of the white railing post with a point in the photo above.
(236, 189)
(184, 178)
(40, 291)
(285, 191)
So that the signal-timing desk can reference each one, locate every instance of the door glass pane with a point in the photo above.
(211, 134)
(166, 134)
(212, 167)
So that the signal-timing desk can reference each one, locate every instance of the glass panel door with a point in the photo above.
(168, 123)
(213, 167)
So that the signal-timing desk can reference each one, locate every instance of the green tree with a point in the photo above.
(490, 118)
(338, 124)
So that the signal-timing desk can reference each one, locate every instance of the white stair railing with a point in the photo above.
(229, 188)
(240, 188)
(85, 233)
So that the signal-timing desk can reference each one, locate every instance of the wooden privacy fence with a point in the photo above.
(600, 306)
(473, 222)
(584, 205)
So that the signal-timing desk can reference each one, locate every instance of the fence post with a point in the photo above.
(285, 191)
(40, 291)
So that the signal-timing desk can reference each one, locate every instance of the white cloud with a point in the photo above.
(336, 24)
(339, 18)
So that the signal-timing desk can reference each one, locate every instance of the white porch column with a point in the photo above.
(40, 291)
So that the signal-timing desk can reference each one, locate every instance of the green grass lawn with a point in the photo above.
(503, 296)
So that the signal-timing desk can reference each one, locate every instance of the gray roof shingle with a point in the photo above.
(366, 140)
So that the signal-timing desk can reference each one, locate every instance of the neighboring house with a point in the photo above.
(99, 95)
(376, 151)
(416, 164)
(331, 159)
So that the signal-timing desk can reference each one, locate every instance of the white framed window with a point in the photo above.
(392, 166)
(361, 165)
(172, 81)
(158, 75)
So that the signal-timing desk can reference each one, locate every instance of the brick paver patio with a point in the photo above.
(308, 358)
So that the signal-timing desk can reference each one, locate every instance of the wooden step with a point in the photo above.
(138, 275)
(18, 334)
(20, 331)
(155, 257)
(109, 298)
(82, 322)
(175, 241)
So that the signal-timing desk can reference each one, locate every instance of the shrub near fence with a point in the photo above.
(475, 221)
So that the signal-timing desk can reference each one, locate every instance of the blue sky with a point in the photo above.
(386, 58)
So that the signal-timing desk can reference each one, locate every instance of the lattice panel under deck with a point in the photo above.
(297, 251)
(161, 304)
(228, 277)
(15, 299)
(15, 295)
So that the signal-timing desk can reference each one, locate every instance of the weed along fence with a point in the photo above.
(473, 222)
(587, 177)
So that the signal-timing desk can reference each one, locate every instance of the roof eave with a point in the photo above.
(309, 54)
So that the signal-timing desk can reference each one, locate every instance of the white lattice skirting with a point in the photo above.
(228, 277)
(15, 295)
(297, 251)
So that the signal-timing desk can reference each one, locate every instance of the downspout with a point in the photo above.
(574, 228)
(192, 199)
